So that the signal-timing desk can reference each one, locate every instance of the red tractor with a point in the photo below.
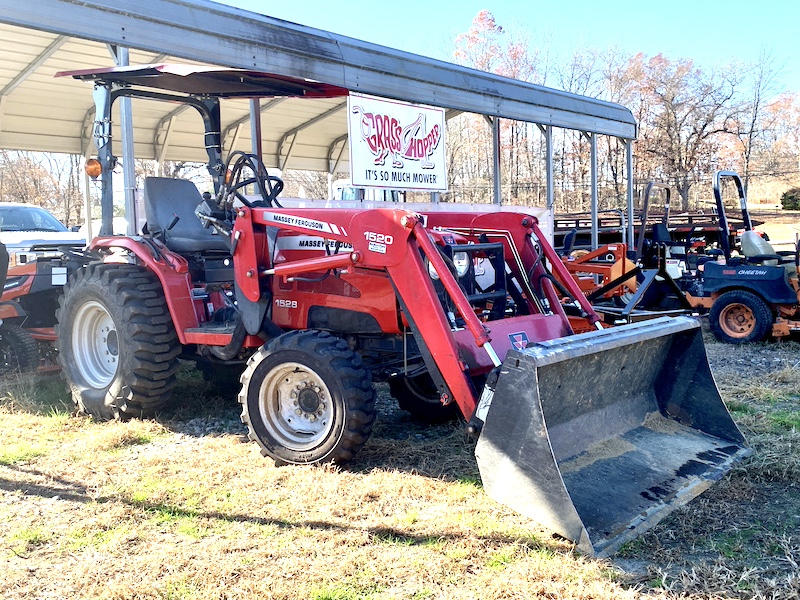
(458, 311)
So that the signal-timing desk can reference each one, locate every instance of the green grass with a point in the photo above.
(37, 395)
(788, 419)
(338, 592)
(81, 539)
(182, 589)
(741, 408)
(502, 558)
(22, 452)
(28, 538)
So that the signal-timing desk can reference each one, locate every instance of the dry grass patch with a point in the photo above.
(148, 509)
(183, 507)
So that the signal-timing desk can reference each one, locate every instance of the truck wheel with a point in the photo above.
(19, 352)
(307, 398)
(117, 345)
(418, 397)
(739, 317)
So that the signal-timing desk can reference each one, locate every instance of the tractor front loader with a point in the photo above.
(597, 435)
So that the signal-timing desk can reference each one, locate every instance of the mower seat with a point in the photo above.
(759, 251)
(569, 243)
(164, 200)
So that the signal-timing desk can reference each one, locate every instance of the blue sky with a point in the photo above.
(707, 32)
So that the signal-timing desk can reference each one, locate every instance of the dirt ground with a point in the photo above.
(783, 227)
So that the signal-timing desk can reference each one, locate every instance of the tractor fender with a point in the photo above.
(172, 271)
(11, 310)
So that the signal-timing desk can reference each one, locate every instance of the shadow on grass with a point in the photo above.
(73, 491)
(397, 442)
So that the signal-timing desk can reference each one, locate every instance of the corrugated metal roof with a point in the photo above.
(42, 113)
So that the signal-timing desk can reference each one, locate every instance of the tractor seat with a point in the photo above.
(166, 198)
(758, 249)
(569, 243)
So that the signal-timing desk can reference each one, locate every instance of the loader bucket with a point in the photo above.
(598, 436)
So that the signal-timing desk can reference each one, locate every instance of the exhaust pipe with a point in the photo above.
(598, 436)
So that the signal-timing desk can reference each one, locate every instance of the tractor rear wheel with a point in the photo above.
(117, 344)
(419, 397)
(740, 317)
(307, 398)
(19, 352)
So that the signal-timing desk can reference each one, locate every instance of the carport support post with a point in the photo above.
(255, 126)
(120, 55)
(497, 199)
(547, 131)
(593, 160)
(87, 207)
(629, 177)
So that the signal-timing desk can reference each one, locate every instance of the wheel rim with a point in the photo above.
(296, 406)
(737, 320)
(95, 345)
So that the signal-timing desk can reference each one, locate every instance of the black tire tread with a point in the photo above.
(422, 407)
(354, 378)
(24, 356)
(135, 298)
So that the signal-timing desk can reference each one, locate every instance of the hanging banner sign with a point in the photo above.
(395, 144)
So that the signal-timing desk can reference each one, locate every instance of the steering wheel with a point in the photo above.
(268, 186)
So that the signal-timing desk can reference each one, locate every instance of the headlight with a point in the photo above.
(432, 272)
(461, 261)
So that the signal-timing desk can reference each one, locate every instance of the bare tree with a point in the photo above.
(305, 184)
(46, 180)
(688, 108)
(751, 123)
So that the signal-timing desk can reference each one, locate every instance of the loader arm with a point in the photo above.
(396, 241)
(389, 239)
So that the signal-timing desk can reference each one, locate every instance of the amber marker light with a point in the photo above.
(93, 168)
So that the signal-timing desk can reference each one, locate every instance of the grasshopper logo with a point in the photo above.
(386, 136)
(519, 341)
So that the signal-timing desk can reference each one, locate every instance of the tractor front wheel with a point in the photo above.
(740, 317)
(307, 398)
(18, 350)
(117, 344)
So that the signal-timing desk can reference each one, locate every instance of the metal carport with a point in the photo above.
(38, 112)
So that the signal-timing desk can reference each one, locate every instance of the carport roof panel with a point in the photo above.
(212, 33)
(41, 113)
(202, 80)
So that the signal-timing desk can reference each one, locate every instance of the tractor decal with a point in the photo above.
(518, 340)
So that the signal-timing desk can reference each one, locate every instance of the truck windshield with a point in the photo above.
(28, 218)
